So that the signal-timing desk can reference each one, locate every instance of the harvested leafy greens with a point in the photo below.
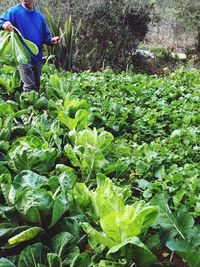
(12, 50)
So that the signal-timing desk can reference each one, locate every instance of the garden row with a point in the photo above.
(100, 169)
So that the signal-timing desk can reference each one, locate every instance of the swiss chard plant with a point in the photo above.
(119, 224)
(88, 151)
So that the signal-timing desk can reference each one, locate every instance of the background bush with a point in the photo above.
(110, 31)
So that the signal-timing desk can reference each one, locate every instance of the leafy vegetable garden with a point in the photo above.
(100, 169)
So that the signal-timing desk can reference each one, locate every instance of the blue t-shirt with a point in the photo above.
(31, 24)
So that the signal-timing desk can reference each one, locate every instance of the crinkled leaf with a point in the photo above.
(34, 206)
(120, 226)
(23, 156)
(28, 179)
(107, 200)
(67, 176)
(104, 140)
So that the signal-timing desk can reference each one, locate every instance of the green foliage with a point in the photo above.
(47, 155)
(187, 12)
(9, 79)
(110, 31)
(12, 50)
(88, 151)
(25, 235)
(179, 232)
(63, 55)
(32, 155)
(120, 223)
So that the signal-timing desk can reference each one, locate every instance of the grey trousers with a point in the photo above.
(30, 75)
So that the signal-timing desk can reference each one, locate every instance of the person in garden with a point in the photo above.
(32, 25)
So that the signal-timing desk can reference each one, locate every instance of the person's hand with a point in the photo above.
(56, 40)
(7, 26)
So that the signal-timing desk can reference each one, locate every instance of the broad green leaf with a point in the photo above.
(71, 155)
(86, 137)
(21, 55)
(121, 225)
(62, 244)
(25, 235)
(67, 176)
(73, 254)
(82, 119)
(133, 250)
(72, 225)
(82, 195)
(33, 255)
(193, 258)
(54, 260)
(97, 237)
(82, 260)
(145, 215)
(24, 156)
(28, 179)
(59, 208)
(9, 214)
(33, 48)
(177, 226)
(66, 120)
(8, 230)
(107, 200)
(4, 40)
(6, 109)
(35, 205)
(104, 140)
(73, 105)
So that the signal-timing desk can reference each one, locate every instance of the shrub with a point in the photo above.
(110, 31)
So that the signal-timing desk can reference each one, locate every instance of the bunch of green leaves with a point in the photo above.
(178, 231)
(88, 151)
(120, 224)
(9, 79)
(6, 120)
(13, 48)
(38, 203)
(75, 113)
(155, 151)
(48, 130)
(32, 153)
